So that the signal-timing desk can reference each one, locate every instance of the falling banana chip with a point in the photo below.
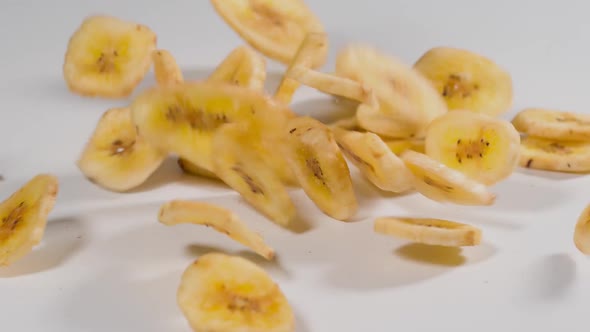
(429, 231)
(551, 124)
(182, 118)
(243, 67)
(108, 57)
(485, 148)
(320, 167)
(467, 81)
(375, 160)
(310, 46)
(166, 68)
(407, 101)
(275, 29)
(116, 157)
(552, 155)
(223, 293)
(582, 232)
(23, 217)
(399, 146)
(443, 184)
(238, 162)
(332, 84)
(222, 220)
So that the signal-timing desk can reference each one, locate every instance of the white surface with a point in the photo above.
(107, 265)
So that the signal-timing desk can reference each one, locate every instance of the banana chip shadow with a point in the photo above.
(63, 238)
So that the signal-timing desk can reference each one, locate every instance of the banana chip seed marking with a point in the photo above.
(12, 220)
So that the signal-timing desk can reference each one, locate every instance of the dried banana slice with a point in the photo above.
(552, 155)
(429, 231)
(443, 184)
(243, 67)
(222, 220)
(375, 160)
(222, 293)
(23, 217)
(467, 80)
(166, 68)
(238, 163)
(552, 124)
(485, 148)
(108, 57)
(582, 232)
(320, 167)
(116, 157)
(275, 29)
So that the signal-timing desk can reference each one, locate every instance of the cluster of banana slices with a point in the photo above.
(433, 127)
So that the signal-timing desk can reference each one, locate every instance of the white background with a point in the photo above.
(107, 265)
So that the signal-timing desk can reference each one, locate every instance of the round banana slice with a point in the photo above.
(552, 124)
(407, 100)
(310, 46)
(116, 157)
(166, 69)
(239, 163)
(181, 118)
(552, 155)
(243, 67)
(429, 231)
(320, 167)
(108, 57)
(222, 220)
(23, 217)
(582, 232)
(440, 183)
(222, 293)
(375, 160)
(275, 29)
(467, 81)
(485, 148)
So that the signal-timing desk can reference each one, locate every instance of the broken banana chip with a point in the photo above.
(166, 68)
(375, 160)
(23, 217)
(429, 231)
(243, 67)
(222, 220)
(467, 81)
(582, 232)
(223, 293)
(552, 155)
(116, 157)
(311, 45)
(182, 118)
(320, 167)
(108, 57)
(485, 148)
(275, 29)
(443, 184)
(407, 101)
(552, 124)
(238, 163)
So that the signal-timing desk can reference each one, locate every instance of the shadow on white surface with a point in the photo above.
(273, 79)
(63, 238)
(116, 301)
(409, 264)
(552, 276)
(519, 195)
(169, 173)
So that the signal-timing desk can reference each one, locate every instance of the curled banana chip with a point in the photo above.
(222, 220)
(23, 217)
